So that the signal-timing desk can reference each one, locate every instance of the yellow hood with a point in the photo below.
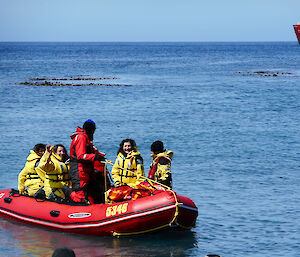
(33, 156)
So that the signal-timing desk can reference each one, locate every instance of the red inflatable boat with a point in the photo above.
(158, 211)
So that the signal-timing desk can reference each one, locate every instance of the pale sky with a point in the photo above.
(148, 20)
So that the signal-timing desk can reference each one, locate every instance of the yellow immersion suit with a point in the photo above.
(55, 174)
(128, 170)
(28, 177)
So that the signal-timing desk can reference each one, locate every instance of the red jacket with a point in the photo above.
(82, 153)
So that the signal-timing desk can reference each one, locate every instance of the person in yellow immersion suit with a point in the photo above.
(128, 168)
(160, 169)
(29, 182)
(54, 166)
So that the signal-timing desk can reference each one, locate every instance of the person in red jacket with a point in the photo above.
(83, 155)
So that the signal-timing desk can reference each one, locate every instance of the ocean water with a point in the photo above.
(229, 111)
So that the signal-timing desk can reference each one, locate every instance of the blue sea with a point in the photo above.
(229, 111)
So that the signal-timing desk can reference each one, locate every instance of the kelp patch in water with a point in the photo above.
(71, 81)
(265, 73)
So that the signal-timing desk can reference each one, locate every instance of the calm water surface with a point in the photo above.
(235, 135)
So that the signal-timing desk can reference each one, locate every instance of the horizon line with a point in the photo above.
(137, 41)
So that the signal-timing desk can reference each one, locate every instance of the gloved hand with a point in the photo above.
(99, 158)
(21, 190)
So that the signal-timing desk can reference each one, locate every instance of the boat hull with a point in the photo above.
(142, 215)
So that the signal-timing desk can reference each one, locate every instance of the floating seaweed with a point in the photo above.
(265, 73)
(57, 82)
(50, 84)
(71, 78)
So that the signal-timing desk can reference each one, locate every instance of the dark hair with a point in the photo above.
(89, 126)
(157, 147)
(39, 147)
(131, 141)
(60, 145)
(63, 252)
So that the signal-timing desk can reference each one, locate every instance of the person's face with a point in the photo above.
(41, 152)
(127, 147)
(153, 155)
(60, 152)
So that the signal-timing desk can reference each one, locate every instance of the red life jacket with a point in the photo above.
(153, 166)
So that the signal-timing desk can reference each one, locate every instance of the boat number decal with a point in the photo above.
(2, 194)
(117, 209)
(79, 215)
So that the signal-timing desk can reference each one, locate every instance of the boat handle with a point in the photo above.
(54, 213)
(7, 200)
